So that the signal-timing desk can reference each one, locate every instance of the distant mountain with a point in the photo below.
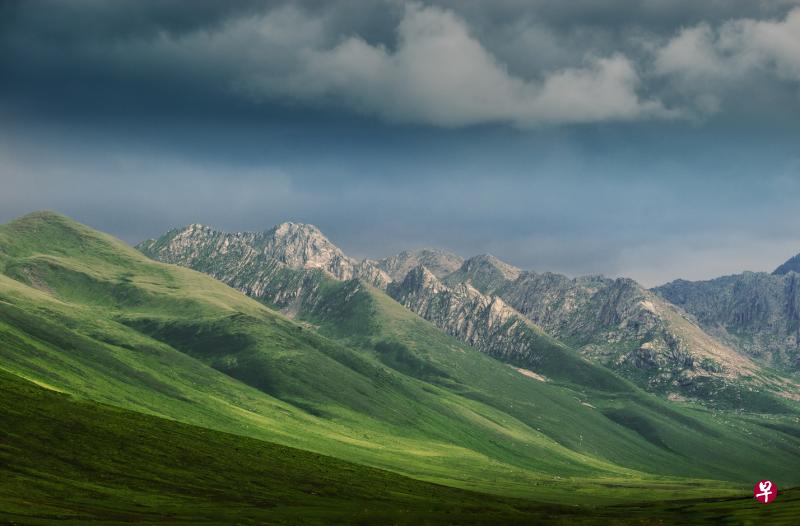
(438, 262)
(755, 312)
(84, 314)
(622, 325)
(791, 265)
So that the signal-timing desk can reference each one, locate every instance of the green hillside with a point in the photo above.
(358, 378)
(69, 462)
(603, 416)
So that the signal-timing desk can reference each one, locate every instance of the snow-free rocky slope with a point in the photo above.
(630, 329)
(755, 312)
(514, 315)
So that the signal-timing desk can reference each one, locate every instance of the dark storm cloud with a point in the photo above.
(451, 64)
(651, 138)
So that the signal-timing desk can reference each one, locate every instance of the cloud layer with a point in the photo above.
(703, 60)
(440, 74)
(448, 65)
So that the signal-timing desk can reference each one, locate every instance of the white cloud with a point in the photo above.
(691, 53)
(769, 44)
(440, 74)
(437, 73)
(706, 61)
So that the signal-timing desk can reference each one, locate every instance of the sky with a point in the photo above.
(654, 139)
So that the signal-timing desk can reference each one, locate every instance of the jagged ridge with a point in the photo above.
(621, 324)
(756, 312)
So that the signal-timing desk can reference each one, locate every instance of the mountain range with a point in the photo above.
(518, 316)
(277, 379)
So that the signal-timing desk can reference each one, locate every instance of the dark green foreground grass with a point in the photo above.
(70, 462)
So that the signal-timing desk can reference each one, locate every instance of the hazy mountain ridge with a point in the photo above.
(756, 312)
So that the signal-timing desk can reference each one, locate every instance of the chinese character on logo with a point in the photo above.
(765, 491)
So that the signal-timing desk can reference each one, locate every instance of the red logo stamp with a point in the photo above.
(765, 491)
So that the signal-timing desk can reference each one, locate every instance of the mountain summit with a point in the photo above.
(229, 256)
(791, 265)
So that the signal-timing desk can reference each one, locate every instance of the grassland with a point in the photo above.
(366, 381)
(70, 462)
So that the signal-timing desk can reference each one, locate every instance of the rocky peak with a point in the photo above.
(304, 246)
(615, 321)
(191, 244)
(756, 312)
(792, 265)
(484, 272)
(439, 262)
(487, 262)
(225, 255)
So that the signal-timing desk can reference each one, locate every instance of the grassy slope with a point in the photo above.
(69, 462)
(625, 425)
(74, 335)
(102, 321)
(84, 329)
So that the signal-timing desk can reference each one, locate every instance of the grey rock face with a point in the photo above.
(615, 321)
(490, 325)
(282, 266)
(756, 312)
(287, 265)
(485, 322)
